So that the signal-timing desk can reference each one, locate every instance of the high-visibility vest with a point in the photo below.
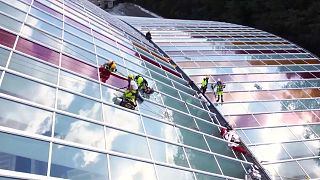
(140, 81)
(204, 83)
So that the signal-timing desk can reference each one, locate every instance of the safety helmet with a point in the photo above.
(219, 79)
(130, 76)
(113, 66)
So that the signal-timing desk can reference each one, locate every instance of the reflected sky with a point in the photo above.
(79, 105)
(122, 119)
(126, 169)
(164, 173)
(26, 118)
(72, 129)
(74, 163)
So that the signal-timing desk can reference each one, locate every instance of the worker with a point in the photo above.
(233, 140)
(131, 92)
(204, 85)
(106, 69)
(253, 173)
(229, 135)
(141, 82)
(110, 66)
(219, 92)
(148, 36)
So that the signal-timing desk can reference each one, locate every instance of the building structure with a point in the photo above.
(59, 121)
(272, 87)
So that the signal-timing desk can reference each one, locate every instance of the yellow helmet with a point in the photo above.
(130, 76)
(113, 66)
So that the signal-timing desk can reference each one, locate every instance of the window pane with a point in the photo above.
(153, 110)
(207, 177)
(39, 24)
(26, 118)
(174, 103)
(122, 119)
(312, 167)
(219, 146)
(202, 161)
(208, 128)
(33, 68)
(20, 154)
(12, 11)
(78, 32)
(41, 37)
(78, 131)
(168, 153)
(45, 16)
(290, 170)
(79, 53)
(164, 173)
(199, 112)
(79, 84)
(182, 119)
(73, 163)
(160, 130)
(80, 42)
(127, 169)
(4, 54)
(160, 78)
(27, 89)
(79, 105)
(127, 143)
(230, 167)
(192, 139)
(167, 89)
(10, 23)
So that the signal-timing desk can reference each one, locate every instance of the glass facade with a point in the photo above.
(272, 92)
(59, 120)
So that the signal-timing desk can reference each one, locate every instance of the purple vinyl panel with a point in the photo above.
(38, 51)
(7, 38)
(79, 67)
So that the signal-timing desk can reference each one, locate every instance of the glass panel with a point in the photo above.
(208, 128)
(41, 37)
(160, 78)
(108, 55)
(182, 119)
(19, 154)
(45, 16)
(190, 99)
(122, 119)
(81, 34)
(160, 130)
(271, 152)
(79, 84)
(202, 161)
(26, 118)
(154, 110)
(289, 170)
(207, 177)
(74, 163)
(297, 149)
(78, 41)
(303, 132)
(174, 103)
(10, 23)
(184, 88)
(12, 11)
(32, 21)
(127, 169)
(316, 129)
(155, 68)
(123, 142)
(219, 146)
(192, 139)
(312, 167)
(200, 113)
(75, 130)
(33, 68)
(314, 146)
(79, 53)
(168, 153)
(4, 54)
(79, 105)
(164, 173)
(230, 167)
(167, 89)
(27, 89)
